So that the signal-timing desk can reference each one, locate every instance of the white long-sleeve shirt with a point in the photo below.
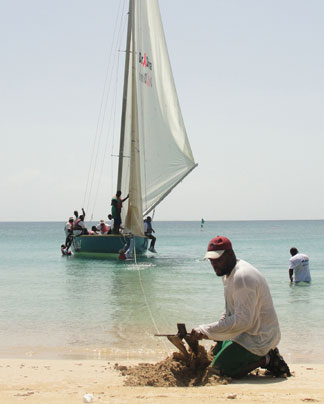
(249, 318)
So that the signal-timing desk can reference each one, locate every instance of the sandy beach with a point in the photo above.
(68, 381)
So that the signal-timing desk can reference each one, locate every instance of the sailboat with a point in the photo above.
(154, 152)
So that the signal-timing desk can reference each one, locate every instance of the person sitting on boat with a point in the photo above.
(299, 267)
(68, 229)
(110, 223)
(102, 227)
(116, 207)
(148, 230)
(248, 331)
(93, 231)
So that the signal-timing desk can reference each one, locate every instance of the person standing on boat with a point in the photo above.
(248, 331)
(116, 207)
(299, 267)
(68, 229)
(148, 230)
(77, 217)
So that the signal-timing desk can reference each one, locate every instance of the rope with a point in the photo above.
(117, 36)
(145, 298)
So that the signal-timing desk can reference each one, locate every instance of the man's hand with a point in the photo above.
(197, 335)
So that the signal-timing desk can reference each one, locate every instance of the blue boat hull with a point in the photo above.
(106, 244)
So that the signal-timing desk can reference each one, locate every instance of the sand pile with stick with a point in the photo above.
(175, 370)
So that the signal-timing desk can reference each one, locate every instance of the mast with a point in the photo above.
(122, 126)
(134, 218)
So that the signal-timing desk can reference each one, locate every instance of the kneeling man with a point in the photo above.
(248, 331)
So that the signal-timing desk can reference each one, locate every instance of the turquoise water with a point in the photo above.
(54, 306)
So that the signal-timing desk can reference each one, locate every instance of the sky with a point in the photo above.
(250, 82)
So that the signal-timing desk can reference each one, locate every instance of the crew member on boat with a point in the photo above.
(68, 229)
(79, 224)
(148, 230)
(248, 331)
(93, 231)
(110, 222)
(103, 228)
(116, 207)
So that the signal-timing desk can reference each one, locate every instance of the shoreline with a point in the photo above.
(62, 353)
(57, 381)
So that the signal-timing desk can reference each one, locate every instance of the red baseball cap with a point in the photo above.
(217, 246)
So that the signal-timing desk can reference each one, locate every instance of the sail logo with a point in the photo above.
(145, 62)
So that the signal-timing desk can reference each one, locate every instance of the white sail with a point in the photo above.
(163, 151)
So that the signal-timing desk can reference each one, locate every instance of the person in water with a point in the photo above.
(64, 250)
(299, 267)
(148, 230)
(247, 333)
(116, 207)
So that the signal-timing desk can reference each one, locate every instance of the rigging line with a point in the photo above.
(145, 298)
(92, 166)
(112, 185)
(113, 102)
(114, 131)
(113, 119)
(92, 161)
(99, 116)
(103, 120)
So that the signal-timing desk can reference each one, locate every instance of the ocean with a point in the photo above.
(69, 307)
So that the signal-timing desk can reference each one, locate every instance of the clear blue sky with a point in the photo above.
(249, 76)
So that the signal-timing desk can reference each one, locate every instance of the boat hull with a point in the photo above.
(106, 244)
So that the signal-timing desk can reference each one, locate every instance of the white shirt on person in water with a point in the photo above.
(299, 263)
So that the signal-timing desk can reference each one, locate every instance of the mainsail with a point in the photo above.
(155, 153)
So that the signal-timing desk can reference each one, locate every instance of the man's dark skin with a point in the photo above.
(224, 265)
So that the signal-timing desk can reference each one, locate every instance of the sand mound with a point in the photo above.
(175, 370)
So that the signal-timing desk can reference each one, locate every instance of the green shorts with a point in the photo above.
(231, 358)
